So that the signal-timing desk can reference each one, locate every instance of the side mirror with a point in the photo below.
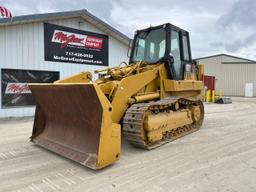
(129, 48)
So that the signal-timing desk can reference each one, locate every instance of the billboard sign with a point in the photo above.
(63, 44)
(15, 91)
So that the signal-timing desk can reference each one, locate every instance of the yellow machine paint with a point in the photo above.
(81, 119)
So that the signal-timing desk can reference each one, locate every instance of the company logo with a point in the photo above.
(67, 38)
(17, 88)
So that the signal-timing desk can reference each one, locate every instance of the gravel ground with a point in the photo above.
(219, 157)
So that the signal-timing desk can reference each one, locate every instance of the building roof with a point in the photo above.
(84, 14)
(222, 54)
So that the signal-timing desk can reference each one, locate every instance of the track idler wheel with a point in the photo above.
(196, 113)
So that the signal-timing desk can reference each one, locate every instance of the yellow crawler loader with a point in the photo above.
(154, 99)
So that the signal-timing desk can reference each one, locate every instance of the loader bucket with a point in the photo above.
(74, 120)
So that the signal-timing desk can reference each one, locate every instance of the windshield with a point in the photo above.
(149, 46)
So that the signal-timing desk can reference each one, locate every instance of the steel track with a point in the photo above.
(134, 118)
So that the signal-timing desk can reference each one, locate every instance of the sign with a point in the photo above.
(15, 91)
(17, 88)
(63, 44)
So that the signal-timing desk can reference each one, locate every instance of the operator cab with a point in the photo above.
(164, 43)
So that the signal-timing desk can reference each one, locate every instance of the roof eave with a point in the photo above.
(223, 54)
(84, 14)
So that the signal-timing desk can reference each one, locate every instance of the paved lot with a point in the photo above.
(219, 157)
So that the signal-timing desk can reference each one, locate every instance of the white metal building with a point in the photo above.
(26, 53)
(233, 74)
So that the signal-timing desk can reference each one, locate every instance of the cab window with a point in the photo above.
(185, 47)
(175, 50)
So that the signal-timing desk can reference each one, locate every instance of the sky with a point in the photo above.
(215, 26)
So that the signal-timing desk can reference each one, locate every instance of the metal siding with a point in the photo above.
(231, 78)
(23, 48)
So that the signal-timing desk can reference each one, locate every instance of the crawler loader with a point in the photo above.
(154, 99)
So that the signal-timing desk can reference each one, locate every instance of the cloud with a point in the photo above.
(241, 13)
(199, 17)
(238, 28)
(215, 26)
(101, 7)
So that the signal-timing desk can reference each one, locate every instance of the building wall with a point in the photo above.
(22, 47)
(231, 78)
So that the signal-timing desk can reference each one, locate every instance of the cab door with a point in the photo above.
(180, 50)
